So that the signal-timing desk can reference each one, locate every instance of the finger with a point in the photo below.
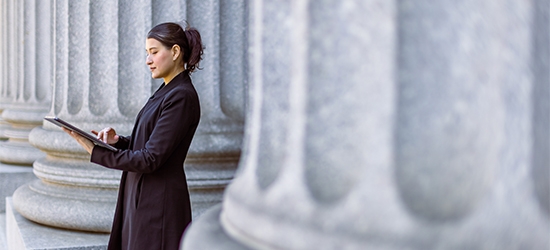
(94, 132)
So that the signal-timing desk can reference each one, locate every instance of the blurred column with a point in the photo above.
(25, 87)
(541, 104)
(391, 125)
(30, 73)
(100, 80)
(6, 89)
(465, 135)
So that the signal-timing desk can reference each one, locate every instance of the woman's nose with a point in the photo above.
(148, 60)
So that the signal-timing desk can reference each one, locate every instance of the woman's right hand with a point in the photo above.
(107, 135)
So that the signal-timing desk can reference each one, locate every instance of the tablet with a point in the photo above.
(57, 121)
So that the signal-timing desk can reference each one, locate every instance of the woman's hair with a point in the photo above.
(189, 40)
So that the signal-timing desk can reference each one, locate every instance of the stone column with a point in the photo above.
(541, 104)
(6, 91)
(216, 147)
(100, 80)
(30, 71)
(25, 87)
(391, 125)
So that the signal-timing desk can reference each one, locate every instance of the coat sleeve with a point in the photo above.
(178, 117)
(123, 142)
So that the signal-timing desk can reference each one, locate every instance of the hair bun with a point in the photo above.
(188, 38)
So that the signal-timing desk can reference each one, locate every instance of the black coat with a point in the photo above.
(153, 206)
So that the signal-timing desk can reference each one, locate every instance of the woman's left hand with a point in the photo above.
(85, 143)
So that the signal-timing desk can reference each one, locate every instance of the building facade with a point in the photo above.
(355, 124)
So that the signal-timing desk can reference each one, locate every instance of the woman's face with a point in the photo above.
(160, 59)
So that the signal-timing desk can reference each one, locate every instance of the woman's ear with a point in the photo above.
(176, 51)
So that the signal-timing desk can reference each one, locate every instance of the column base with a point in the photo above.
(207, 233)
(203, 199)
(23, 234)
(20, 153)
(70, 207)
(207, 178)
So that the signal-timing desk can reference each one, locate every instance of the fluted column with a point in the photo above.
(391, 125)
(215, 150)
(319, 137)
(541, 104)
(100, 80)
(25, 78)
(6, 91)
(30, 72)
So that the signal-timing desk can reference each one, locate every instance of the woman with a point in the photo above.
(153, 206)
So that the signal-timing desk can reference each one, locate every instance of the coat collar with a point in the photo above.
(181, 78)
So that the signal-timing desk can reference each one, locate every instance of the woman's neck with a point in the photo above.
(171, 76)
